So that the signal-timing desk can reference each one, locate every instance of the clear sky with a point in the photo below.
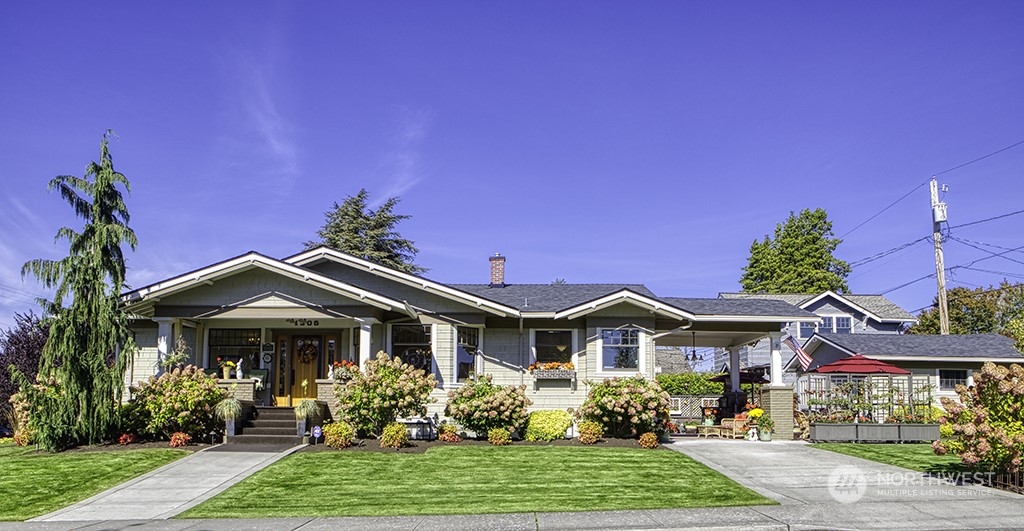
(592, 141)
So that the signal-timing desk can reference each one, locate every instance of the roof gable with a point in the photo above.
(876, 307)
(912, 346)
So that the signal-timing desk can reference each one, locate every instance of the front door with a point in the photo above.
(306, 357)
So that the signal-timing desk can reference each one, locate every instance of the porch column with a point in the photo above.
(775, 343)
(365, 326)
(734, 369)
(164, 338)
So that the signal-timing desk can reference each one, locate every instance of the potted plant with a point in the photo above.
(306, 409)
(229, 410)
(709, 416)
(765, 427)
(225, 367)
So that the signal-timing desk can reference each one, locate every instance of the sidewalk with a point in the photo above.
(170, 489)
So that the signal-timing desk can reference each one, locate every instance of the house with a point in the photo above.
(942, 362)
(840, 314)
(289, 319)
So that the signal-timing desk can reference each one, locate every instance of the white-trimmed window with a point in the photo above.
(838, 324)
(553, 345)
(467, 350)
(621, 349)
(950, 378)
(414, 344)
(805, 331)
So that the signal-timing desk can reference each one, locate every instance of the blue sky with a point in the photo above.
(591, 141)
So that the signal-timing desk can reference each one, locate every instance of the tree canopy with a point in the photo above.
(798, 259)
(81, 374)
(991, 310)
(20, 350)
(353, 228)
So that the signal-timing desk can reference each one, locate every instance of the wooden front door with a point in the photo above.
(307, 353)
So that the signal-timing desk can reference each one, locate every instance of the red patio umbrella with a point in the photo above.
(858, 364)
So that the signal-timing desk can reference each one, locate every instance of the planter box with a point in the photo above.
(557, 374)
(834, 432)
(919, 432)
(878, 432)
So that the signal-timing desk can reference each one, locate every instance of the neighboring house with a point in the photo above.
(840, 314)
(290, 319)
(945, 360)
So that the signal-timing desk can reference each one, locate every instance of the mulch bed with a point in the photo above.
(115, 447)
(419, 447)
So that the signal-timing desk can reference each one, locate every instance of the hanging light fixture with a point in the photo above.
(693, 352)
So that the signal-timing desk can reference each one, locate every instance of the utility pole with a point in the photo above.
(938, 218)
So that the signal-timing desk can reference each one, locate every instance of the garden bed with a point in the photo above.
(419, 447)
(870, 432)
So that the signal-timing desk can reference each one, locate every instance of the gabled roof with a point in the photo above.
(252, 260)
(971, 347)
(749, 309)
(548, 297)
(449, 291)
(876, 307)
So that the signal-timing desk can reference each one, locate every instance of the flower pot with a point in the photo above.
(229, 428)
(226, 371)
(708, 421)
(765, 435)
(300, 427)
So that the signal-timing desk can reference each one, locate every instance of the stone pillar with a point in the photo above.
(325, 395)
(734, 369)
(777, 401)
(775, 343)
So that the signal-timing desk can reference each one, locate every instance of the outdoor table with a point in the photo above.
(708, 431)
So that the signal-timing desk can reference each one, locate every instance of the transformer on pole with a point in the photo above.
(939, 217)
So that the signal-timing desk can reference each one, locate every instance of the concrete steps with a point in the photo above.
(268, 426)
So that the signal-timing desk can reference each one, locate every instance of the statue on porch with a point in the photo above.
(238, 370)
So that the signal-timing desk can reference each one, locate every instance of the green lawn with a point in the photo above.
(476, 480)
(918, 457)
(34, 484)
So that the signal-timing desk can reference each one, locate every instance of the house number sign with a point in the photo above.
(303, 322)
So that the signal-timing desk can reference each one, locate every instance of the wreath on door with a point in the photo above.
(307, 353)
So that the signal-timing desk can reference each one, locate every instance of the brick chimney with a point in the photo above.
(497, 271)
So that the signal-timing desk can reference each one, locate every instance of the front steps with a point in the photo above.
(268, 426)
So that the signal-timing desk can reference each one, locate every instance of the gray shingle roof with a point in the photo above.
(548, 297)
(876, 304)
(927, 346)
(746, 307)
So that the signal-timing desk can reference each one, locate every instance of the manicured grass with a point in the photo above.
(34, 484)
(476, 480)
(918, 457)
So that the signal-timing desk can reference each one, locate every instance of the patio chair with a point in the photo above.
(734, 428)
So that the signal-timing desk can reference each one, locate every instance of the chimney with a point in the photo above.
(497, 271)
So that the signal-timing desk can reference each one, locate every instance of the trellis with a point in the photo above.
(871, 398)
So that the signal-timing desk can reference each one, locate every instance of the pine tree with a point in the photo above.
(81, 374)
(798, 259)
(353, 228)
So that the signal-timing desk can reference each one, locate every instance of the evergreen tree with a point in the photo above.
(81, 374)
(355, 229)
(798, 259)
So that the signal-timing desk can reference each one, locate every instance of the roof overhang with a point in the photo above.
(325, 253)
(151, 294)
(655, 306)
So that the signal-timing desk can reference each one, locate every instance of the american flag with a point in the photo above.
(805, 359)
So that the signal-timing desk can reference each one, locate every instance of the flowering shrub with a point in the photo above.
(499, 437)
(182, 400)
(755, 413)
(127, 438)
(649, 440)
(988, 421)
(344, 371)
(394, 436)
(626, 407)
(19, 419)
(482, 406)
(386, 390)
(448, 433)
(339, 435)
(590, 432)
(547, 425)
(179, 439)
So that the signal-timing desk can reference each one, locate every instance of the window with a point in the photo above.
(620, 348)
(950, 378)
(235, 344)
(467, 348)
(843, 325)
(553, 345)
(806, 330)
(826, 324)
(412, 344)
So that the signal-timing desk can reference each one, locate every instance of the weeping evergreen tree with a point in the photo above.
(81, 372)
(353, 228)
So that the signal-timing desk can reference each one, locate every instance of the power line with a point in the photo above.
(972, 246)
(988, 219)
(1004, 274)
(887, 252)
(951, 269)
(904, 196)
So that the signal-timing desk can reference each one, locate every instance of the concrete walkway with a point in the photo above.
(172, 488)
(815, 489)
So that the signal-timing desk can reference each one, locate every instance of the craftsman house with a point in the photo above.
(288, 320)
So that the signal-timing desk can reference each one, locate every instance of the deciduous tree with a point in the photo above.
(798, 259)
(991, 310)
(353, 228)
(20, 350)
(89, 345)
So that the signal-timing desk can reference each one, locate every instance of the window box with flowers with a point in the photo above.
(553, 370)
